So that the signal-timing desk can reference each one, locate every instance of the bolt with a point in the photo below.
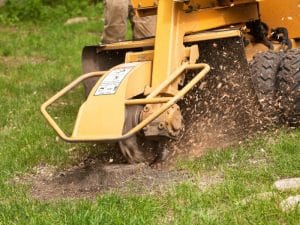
(146, 108)
(161, 126)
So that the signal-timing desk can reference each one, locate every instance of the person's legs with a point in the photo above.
(142, 27)
(115, 25)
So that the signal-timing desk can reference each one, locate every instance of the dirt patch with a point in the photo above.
(90, 181)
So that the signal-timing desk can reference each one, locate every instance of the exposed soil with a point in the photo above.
(91, 181)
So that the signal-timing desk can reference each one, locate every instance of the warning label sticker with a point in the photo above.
(112, 81)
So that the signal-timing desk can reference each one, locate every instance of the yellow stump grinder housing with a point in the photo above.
(133, 87)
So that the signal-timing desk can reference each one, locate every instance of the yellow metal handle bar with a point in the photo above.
(68, 88)
(169, 101)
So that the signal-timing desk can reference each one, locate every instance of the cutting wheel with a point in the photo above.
(138, 148)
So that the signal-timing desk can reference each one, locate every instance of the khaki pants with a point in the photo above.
(117, 12)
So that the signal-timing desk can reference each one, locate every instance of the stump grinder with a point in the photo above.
(134, 88)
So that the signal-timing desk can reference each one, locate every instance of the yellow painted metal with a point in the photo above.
(147, 101)
(128, 44)
(195, 4)
(169, 49)
(296, 43)
(102, 116)
(202, 36)
(61, 93)
(144, 3)
(204, 69)
(211, 35)
(278, 13)
(139, 56)
(214, 18)
(145, 7)
(174, 24)
(203, 4)
(192, 53)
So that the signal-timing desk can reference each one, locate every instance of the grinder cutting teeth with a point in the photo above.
(133, 87)
(148, 144)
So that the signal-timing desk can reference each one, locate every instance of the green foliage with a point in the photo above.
(44, 10)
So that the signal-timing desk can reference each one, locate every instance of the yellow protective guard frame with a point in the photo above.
(150, 99)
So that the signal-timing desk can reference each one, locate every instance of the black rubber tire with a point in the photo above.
(264, 68)
(289, 87)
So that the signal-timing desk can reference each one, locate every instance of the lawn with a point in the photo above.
(37, 60)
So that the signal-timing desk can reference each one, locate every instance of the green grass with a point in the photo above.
(38, 60)
(247, 170)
